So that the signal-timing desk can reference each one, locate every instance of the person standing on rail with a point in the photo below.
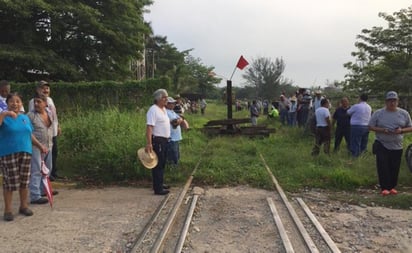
(158, 137)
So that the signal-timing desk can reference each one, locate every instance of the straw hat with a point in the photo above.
(149, 160)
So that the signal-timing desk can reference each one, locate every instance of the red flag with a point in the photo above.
(242, 63)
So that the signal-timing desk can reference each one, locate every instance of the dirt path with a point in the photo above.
(101, 220)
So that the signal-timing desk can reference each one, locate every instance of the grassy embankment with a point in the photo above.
(103, 145)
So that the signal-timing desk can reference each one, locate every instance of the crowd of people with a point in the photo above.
(26, 140)
(352, 123)
(355, 122)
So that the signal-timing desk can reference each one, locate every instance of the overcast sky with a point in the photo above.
(314, 38)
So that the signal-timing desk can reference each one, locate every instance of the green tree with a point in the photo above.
(384, 57)
(266, 76)
(71, 40)
(199, 79)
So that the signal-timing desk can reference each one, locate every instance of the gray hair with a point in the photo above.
(158, 94)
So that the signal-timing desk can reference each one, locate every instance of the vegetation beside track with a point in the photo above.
(100, 147)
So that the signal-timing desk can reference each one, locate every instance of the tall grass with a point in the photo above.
(101, 146)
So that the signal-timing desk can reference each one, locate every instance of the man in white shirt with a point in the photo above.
(359, 131)
(158, 137)
(323, 128)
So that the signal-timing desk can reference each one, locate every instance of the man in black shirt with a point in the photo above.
(342, 119)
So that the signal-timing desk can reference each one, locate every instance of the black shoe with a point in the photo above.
(40, 201)
(54, 193)
(8, 216)
(165, 186)
(164, 192)
(26, 211)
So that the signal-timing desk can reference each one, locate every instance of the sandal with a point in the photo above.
(26, 211)
(8, 216)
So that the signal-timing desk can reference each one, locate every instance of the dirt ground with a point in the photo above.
(101, 220)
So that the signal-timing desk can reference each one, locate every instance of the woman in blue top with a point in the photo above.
(15, 154)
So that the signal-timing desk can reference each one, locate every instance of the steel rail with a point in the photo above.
(305, 235)
(319, 227)
(149, 224)
(283, 235)
(171, 218)
(188, 220)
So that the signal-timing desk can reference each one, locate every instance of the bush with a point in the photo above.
(102, 145)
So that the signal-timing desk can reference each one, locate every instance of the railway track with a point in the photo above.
(179, 225)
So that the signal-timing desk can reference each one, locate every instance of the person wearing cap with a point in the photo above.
(292, 111)
(389, 125)
(304, 104)
(158, 137)
(175, 132)
(43, 87)
(316, 100)
(360, 114)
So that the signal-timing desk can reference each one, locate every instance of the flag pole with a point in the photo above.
(230, 79)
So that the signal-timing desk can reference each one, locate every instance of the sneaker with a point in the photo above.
(40, 201)
(385, 192)
(393, 191)
(8, 216)
(26, 211)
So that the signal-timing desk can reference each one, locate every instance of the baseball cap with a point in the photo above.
(391, 95)
(43, 83)
(171, 100)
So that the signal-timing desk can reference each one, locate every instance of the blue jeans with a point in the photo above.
(173, 153)
(292, 118)
(283, 114)
(35, 185)
(358, 139)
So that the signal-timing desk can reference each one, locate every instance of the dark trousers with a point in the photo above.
(340, 133)
(160, 148)
(323, 136)
(388, 163)
(54, 157)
